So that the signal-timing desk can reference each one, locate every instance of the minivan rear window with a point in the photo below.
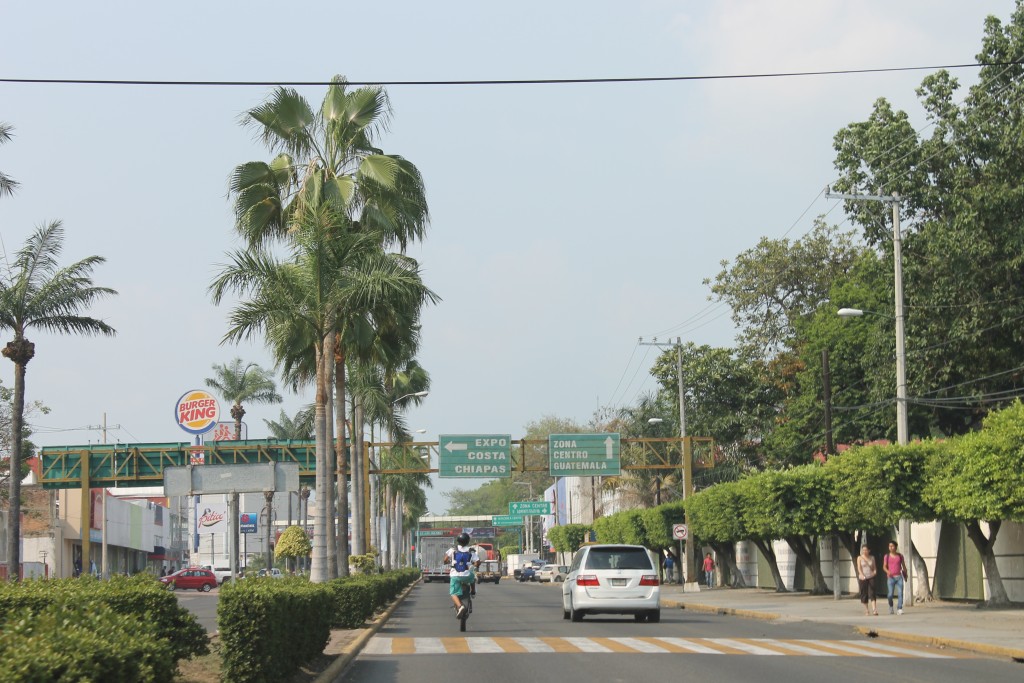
(618, 558)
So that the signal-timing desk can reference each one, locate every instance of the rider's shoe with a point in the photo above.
(461, 611)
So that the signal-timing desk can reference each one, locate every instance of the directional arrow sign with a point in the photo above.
(583, 455)
(530, 507)
(464, 456)
(507, 520)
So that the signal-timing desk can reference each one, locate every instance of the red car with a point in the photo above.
(192, 577)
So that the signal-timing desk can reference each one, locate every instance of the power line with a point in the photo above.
(515, 81)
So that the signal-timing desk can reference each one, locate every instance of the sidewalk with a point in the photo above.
(998, 632)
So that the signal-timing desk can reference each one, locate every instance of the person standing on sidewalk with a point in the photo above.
(896, 569)
(866, 570)
(669, 567)
(709, 570)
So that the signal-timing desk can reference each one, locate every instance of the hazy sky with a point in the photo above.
(567, 220)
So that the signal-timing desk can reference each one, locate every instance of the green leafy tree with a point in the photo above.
(979, 477)
(36, 293)
(958, 184)
(715, 515)
(293, 544)
(251, 384)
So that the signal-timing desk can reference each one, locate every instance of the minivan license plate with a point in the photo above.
(618, 582)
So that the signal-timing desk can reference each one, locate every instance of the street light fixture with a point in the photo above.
(654, 420)
(418, 394)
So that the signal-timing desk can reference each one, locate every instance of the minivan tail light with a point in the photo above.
(587, 580)
(649, 580)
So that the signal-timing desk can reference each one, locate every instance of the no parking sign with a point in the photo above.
(679, 531)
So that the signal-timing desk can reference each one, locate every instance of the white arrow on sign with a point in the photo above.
(451, 446)
(608, 450)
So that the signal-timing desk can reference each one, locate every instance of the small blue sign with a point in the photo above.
(247, 522)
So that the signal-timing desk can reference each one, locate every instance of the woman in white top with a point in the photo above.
(866, 570)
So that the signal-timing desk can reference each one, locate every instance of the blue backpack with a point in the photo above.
(461, 560)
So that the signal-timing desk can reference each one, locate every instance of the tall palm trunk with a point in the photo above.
(342, 459)
(358, 514)
(318, 572)
(374, 510)
(329, 460)
(20, 356)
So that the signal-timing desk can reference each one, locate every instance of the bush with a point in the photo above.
(82, 642)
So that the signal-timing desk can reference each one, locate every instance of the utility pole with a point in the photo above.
(689, 575)
(902, 437)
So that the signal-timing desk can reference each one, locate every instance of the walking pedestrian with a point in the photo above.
(709, 570)
(866, 570)
(669, 567)
(896, 570)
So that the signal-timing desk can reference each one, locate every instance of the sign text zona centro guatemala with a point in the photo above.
(530, 507)
(583, 455)
(474, 455)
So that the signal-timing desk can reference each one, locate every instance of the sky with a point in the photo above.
(568, 221)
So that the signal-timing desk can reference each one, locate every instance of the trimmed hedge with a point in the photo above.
(86, 630)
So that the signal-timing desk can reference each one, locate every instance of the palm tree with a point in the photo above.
(37, 293)
(7, 184)
(296, 428)
(328, 157)
(252, 384)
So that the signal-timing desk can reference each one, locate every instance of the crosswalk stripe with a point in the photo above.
(385, 646)
(749, 648)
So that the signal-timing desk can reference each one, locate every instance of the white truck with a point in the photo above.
(516, 562)
(430, 551)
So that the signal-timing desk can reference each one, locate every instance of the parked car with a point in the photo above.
(274, 573)
(190, 577)
(612, 579)
(552, 573)
(527, 573)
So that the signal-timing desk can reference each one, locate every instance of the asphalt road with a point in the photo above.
(203, 605)
(517, 633)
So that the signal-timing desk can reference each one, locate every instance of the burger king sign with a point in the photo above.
(197, 412)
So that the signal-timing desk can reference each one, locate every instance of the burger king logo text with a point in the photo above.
(197, 412)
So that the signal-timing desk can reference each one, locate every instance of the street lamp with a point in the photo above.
(654, 420)
(418, 394)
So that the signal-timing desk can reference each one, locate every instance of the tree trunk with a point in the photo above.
(921, 575)
(809, 552)
(342, 457)
(269, 497)
(318, 572)
(374, 509)
(996, 590)
(14, 474)
(773, 563)
(330, 460)
(358, 506)
(388, 517)
(727, 555)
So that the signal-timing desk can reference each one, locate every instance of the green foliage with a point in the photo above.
(139, 596)
(269, 628)
(622, 527)
(83, 642)
(657, 523)
(507, 550)
(366, 563)
(716, 513)
(293, 543)
(352, 602)
(568, 538)
(980, 476)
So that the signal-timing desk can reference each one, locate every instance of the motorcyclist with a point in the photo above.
(464, 561)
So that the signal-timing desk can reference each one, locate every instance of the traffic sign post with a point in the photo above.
(464, 456)
(583, 455)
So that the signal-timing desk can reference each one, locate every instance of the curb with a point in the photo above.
(929, 641)
(938, 642)
(335, 670)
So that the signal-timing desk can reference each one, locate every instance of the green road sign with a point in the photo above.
(583, 455)
(506, 520)
(474, 455)
(530, 507)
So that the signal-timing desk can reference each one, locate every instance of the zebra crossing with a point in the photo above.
(382, 645)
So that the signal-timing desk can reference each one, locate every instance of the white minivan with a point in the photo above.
(612, 579)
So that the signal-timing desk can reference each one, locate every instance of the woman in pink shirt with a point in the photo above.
(896, 569)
